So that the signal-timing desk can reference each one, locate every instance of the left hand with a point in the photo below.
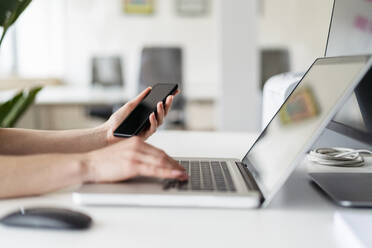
(119, 116)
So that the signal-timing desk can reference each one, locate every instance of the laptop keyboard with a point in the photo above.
(204, 176)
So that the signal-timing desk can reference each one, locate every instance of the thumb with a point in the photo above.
(125, 110)
(133, 103)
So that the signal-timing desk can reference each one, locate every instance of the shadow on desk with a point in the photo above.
(300, 193)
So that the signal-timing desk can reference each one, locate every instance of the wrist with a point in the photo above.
(101, 135)
(86, 167)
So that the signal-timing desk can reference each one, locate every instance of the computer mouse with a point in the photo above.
(47, 218)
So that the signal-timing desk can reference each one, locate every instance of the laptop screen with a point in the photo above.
(299, 120)
(350, 32)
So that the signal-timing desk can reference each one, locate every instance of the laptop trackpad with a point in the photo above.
(347, 189)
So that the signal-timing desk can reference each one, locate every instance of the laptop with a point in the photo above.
(254, 180)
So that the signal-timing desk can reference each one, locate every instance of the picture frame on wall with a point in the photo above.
(192, 8)
(138, 7)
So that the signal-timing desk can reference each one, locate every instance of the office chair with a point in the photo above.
(164, 65)
(106, 72)
(273, 62)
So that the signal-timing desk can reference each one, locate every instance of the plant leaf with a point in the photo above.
(8, 105)
(6, 6)
(20, 107)
(10, 11)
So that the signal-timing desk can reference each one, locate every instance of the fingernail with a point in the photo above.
(177, 173)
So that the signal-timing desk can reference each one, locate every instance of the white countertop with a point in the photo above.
(299, 215)
(73, 95)
(88, 95)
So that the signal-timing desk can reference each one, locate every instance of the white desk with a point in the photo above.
(62, 95)
(298, 216)
(74, 95)
(56, 105)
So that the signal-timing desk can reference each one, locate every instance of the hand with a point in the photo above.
(119, 116)
(130, 158)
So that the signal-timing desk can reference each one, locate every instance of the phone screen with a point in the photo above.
(139, 117)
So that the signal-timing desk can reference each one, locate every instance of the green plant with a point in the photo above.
(13, 109)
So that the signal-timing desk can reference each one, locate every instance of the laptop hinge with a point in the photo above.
(249, 179)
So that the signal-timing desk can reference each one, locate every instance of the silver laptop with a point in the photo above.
(254, 180)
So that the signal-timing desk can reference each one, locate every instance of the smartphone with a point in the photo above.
(138, 119)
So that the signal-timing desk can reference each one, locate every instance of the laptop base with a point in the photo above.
(346, 189)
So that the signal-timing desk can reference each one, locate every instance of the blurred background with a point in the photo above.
(94, 55)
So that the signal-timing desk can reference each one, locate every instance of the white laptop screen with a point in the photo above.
(350, 32)
(307, 110)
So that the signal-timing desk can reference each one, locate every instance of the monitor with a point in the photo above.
(350, 33)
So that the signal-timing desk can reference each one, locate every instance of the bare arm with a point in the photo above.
(35, 174)
(23, 141)
(43, 173)
(26, 142)
(36, 162)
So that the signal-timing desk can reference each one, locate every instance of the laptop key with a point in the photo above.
(218, 175)
(229, 180)
(186, 165)
(204, 176)
(195, 175)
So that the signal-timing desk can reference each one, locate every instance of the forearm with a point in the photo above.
(23, 141)
(39, 174)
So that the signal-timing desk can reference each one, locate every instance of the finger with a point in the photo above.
(160, 113)
(168, 104)
(150, 171)
(177, 92)
(140, 97)
(125, 110)
(157, 156)
(152, 161)
(158, 160)
(153, 125)
(151, 129)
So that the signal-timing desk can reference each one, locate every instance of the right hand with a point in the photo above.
(130, 158)
(121, 114)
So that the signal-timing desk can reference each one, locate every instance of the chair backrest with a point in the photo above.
(273, 62)
(107, 71)
(162, 65)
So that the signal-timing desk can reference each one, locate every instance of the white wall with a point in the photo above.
(40, 39)
(99, 27)
(58, 37)
(299, 25)
(239, 101)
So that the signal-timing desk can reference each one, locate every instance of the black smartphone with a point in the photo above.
(138, 119)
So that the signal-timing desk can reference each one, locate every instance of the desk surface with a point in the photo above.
(72, 95)
(88, 95)
(299, 215)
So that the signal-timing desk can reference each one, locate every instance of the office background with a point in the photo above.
(225, 57)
